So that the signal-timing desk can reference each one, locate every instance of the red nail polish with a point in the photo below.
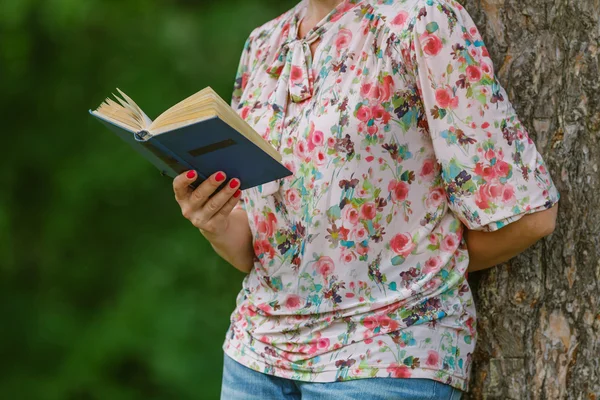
(191, 174)
(237, 193)
(233, 183)
(219, 177)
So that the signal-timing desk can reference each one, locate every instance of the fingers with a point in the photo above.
(181, 184)
(219, 200)
(221, 216)
(231, 203)
(202, 206)
(202, 193)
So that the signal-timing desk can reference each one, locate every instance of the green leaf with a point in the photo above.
(279, 238)
(397, 101)
(397, 260)
(454, 225)
(276, 282)
(404, 176)
(432, 27)
(486, 81)
(469, 186)
(405, 312)
(415, 237)
(358, 201)
(334, 212)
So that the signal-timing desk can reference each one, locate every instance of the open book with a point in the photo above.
(202, 133)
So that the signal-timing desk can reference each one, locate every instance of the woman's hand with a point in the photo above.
(227, 230)
(209, 214)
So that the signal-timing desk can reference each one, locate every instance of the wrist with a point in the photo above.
(224, 235)
(214, 237)
(217, 236)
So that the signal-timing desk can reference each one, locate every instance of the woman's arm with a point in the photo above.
(235, 244)
(487, 249)
(491, 169)
(216, 216)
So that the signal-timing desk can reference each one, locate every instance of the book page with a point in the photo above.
(189, 109)
(124, 111)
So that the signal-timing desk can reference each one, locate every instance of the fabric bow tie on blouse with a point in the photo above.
(293, 65)
(291, 68)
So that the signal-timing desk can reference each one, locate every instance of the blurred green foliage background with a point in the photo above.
(106, 291)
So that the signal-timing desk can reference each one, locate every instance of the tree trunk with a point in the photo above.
(538, 314)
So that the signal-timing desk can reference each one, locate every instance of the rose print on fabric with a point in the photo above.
(479, 143)
(400, 137)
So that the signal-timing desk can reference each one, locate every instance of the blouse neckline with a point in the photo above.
(323, 25)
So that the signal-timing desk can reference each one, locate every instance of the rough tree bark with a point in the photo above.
(538, 315)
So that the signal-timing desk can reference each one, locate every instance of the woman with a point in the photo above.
(410, 168)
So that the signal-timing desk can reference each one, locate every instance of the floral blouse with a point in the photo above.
(399, 136)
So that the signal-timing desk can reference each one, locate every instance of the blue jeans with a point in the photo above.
(243, 383)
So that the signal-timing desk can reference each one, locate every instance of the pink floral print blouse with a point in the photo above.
(398, 135)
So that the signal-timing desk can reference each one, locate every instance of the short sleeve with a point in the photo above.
(491, 169)
(241, 80)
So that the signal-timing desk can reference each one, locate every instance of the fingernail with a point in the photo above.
(219, 177)
(237, 193)
(191, 174)
(233, 183)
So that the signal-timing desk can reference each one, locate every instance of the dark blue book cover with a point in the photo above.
(206, 146)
